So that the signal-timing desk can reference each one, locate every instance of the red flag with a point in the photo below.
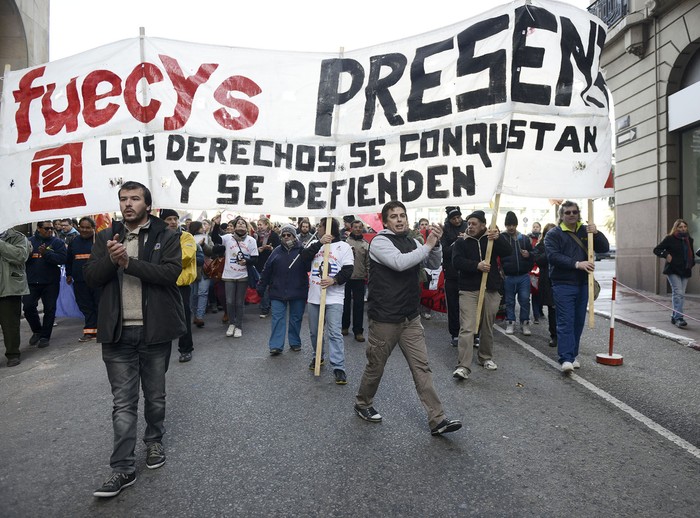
(373, 220)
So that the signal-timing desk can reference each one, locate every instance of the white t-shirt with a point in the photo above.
(248, 246)
(340, 255)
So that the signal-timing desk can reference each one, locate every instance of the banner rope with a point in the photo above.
(655, 301)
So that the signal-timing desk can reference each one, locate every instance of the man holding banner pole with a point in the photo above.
(566, 246)
(470, 261)
(394, 314)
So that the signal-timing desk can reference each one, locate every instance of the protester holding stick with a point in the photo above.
(569, 267)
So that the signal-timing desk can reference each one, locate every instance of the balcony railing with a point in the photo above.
(610, 11)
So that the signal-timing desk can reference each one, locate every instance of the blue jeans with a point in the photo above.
(520, 285)
(336, 346)
(571, 301)
(279, 322)
(678, 285)
(129, 361)
(200, 292)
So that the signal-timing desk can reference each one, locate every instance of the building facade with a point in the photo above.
(651, 62)
(24, 33)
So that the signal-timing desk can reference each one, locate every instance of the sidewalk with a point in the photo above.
(649, 312)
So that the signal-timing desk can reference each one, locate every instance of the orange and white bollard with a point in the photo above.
(611, 358)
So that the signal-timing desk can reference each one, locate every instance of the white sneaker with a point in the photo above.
(526, 328)
(231, 329)
(576, 364)
(489, 365)
(237, 333)
(460, 373)
(427, 316)
(510, 328)
(567, 367)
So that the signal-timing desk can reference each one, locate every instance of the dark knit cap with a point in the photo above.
(478, 214)
(511, 218)
(166, 213)
(452, 212)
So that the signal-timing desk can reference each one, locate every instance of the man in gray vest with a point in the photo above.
(394, 314)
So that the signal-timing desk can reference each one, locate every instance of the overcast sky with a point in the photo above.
(304, 25)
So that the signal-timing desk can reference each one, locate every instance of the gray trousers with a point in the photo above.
(467, 318)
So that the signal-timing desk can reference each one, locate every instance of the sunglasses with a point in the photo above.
(286, 234)
(571, 212)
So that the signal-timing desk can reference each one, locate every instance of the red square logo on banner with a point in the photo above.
(57, 178)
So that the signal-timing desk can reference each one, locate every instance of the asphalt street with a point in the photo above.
(254, 435)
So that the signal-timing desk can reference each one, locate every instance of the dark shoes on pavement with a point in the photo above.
(43, 342)
(368, 414)
(678, 322)
(114, 484)
(340, 378)
(155, 455)
(295, 348)
(198, 322)
(455, 341)
(13, 362)
(446, 426)
(312, 365)
(88, 337)
(35, 339)
(185, 357)
(359, 337)
(275, 352)
(345, 331)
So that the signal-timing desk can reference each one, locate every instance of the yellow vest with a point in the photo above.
(189, 260)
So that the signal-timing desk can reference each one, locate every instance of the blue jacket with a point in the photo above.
(78, 253)
(286, 283)
(46, 268)
(515, 263)
(563, 252)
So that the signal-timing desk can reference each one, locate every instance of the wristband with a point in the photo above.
(576, 265)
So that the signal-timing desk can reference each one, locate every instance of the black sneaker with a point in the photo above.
(13, 362)
(43, 342)
(680, 322)
(312, 365)
(155, 455)
(275, 352)
(35, 339)
(114, 484)
(446, 426)
(340, 378)
(295, 348)
(454, 342)
(185, 357)
(368, 414)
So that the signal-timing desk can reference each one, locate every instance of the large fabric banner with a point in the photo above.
(510, 101)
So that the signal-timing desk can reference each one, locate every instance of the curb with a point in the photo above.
(688, 342)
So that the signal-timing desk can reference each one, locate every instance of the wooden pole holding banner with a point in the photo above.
(322, 309)
(324, 270)
(489, 251)
(591, 278)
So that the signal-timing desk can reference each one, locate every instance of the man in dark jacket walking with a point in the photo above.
(454, 229)
(469, 261)
(286, 275)
(136, 265)
(44, 277)
(566, 246)
(516, 268)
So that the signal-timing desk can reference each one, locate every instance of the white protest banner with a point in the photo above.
(510, 101)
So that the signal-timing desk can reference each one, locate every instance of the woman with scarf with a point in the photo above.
(677, 249)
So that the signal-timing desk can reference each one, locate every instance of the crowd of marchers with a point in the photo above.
(330, 271)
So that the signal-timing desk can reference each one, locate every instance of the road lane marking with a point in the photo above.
(653, 425)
